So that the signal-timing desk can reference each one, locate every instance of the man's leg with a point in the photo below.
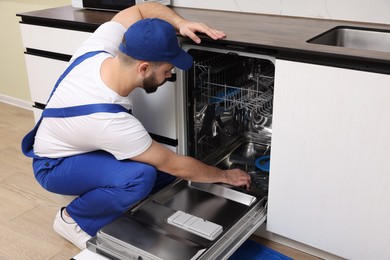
(106, 187)
(162, 180)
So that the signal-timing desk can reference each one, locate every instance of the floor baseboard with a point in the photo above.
(16, 102)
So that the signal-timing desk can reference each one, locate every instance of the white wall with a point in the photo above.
(372, 11)
(13, 75)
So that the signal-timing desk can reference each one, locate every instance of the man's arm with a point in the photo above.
(155, 10)
(188, 168)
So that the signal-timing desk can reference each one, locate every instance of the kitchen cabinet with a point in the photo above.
(158, 114)
(43, 73)
(330, 173)
(48, 51)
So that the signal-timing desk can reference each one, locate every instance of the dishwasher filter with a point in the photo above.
(228, 115)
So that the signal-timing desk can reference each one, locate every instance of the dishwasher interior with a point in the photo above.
(228, 102)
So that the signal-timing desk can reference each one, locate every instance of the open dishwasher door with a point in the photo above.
(183, 221)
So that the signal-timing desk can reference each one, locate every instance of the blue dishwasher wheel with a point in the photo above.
(263, 162)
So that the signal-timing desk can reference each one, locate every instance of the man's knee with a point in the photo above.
(143, 182)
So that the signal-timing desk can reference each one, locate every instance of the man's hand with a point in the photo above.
(237, 177)
(186, 28)
(189, 29)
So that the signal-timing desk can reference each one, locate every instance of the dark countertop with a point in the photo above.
(285, 36)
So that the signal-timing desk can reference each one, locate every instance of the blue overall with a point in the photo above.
(106, 187)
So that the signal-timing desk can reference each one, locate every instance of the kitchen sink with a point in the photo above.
(355, 37)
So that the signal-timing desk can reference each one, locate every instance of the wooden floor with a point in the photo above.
(27, 210)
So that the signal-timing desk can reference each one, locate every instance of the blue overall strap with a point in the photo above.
(76, 62)
(83, 110)
(28, 140)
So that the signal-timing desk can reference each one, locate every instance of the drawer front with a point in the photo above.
(37, 114)
(52, 39)
(42, 74)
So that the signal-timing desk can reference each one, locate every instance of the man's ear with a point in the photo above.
(143, 68)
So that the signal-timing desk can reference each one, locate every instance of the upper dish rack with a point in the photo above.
(232, 81)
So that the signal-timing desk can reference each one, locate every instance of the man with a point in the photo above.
(87, 144)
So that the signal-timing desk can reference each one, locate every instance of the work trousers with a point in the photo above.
(106, 187)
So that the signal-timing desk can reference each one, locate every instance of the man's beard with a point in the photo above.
(150, 83)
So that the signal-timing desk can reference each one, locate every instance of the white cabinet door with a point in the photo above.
(52, 39)
(157, 111)
(43, 73)
(330, 167)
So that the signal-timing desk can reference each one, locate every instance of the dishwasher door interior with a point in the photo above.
(214, 220)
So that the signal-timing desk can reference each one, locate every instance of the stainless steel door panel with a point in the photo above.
(126, 236)
(144, 231)
(237, 234)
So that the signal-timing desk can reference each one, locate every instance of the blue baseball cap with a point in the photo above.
(153, 39)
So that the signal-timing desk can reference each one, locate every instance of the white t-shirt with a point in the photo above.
(120, 134)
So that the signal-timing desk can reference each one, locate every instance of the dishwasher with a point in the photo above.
(227, 101)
